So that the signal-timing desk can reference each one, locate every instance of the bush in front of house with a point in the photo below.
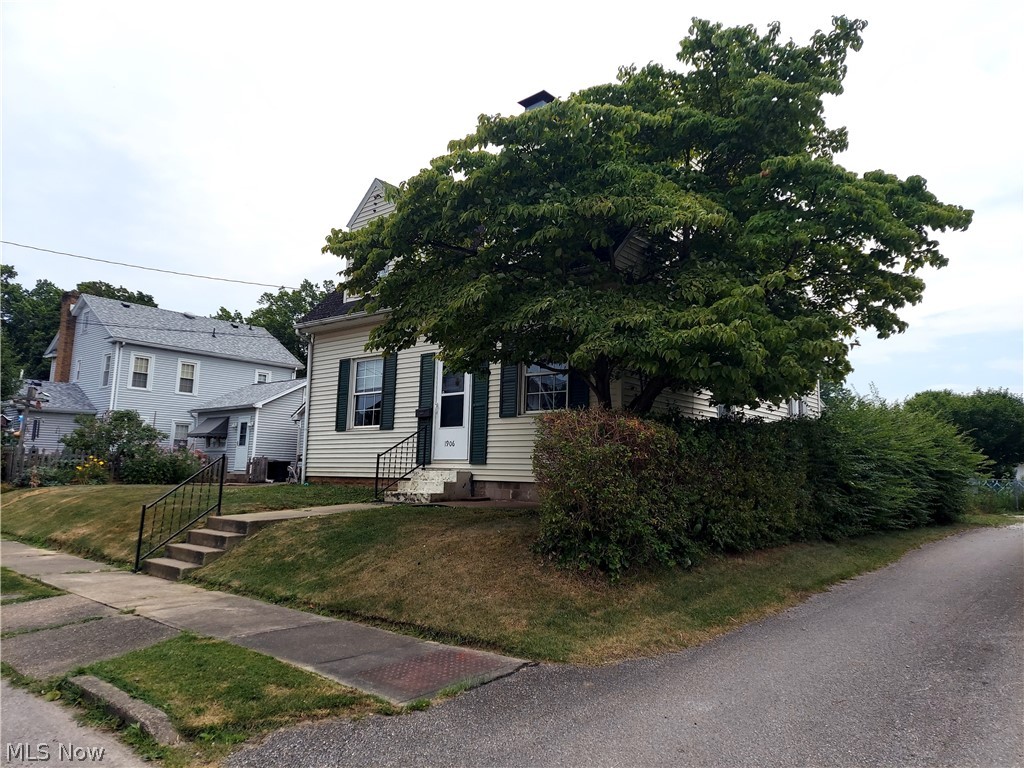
(608, 492)
(155, 466)
(119, 437)
(618, 493)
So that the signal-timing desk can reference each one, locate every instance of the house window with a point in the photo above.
(141, 365)
(725, 411)
(546, 389)
(187, 370)
(106, 370)
(216, 443)
(262, 377)
(181, 434)
(797, 408)
(78, 370)
(369, 380)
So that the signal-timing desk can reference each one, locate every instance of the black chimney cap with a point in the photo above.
(538, 99)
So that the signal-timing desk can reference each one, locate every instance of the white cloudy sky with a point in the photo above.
(227, 138)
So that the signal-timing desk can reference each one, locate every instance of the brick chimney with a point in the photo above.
(66, 337)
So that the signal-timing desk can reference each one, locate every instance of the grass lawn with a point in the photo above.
(218, 694)
(468, 576)
(102, 521)
(15, 588)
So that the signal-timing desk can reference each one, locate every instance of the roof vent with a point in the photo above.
(189, 315)
(126, 305)
(234, 325)
(538, 99)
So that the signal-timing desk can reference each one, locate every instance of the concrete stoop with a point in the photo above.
(429, 485)
(201, 546)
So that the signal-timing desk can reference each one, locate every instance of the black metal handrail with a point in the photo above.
(180, 508)
(396, 463)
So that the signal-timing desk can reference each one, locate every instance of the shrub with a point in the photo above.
(119, 437)
(608, 492)
(156, 466)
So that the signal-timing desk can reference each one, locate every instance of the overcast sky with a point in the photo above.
(227, 138)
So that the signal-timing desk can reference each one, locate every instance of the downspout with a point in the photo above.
(255, 432)
(305, 416)
(116, 376)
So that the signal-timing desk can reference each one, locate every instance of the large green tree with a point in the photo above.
(31, 316)
(992, 418)
(278, 313)
(691, 227)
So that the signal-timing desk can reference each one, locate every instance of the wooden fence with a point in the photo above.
(15, 462)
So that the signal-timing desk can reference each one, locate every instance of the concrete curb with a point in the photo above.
(151, 720)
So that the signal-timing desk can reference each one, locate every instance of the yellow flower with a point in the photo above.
(79, 469)
(101, 463)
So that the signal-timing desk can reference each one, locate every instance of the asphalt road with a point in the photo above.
(39, 732)
(919, 664)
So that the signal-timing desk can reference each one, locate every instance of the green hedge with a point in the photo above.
(619, 493)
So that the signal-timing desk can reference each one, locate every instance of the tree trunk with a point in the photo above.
(602, 383)
(643, 402)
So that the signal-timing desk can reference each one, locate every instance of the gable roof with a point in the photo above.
(372, 205)
(51, 350)
(60, 397)
(252, 396)
(180, 331)
(334, 305)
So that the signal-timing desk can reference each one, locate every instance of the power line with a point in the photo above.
(148, 269)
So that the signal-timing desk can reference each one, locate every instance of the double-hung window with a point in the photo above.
(181, 434)
(106, 371)
(141, 372)
(187, 373)
(546, 387)
(368, 393)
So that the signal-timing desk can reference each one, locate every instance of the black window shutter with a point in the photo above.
(426, 426)
(341, 412)
(579, 392)
(387, 395)
(478, 419)
(508, 400)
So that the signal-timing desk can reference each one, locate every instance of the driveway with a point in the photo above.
(918, 664)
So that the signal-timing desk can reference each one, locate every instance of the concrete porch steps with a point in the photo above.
(430, 485)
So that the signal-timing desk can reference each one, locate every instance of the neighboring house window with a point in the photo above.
(187, 372)
(181, 434)
(367, 393)
(78, 369)
(546, 389)
(725, 411)
(141, 365)
(797, 408)
(106, 370)
(262, 377)
(243, 434)
(215, 442)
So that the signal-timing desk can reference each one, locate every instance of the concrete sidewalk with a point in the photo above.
(396, 667)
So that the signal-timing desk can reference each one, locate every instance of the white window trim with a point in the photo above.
(353, 394)
(256, 378)
(105, 373)
(524, 399)
(195, 378)
(149, 374)
(174, 427)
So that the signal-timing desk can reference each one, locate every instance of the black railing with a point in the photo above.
(396, 463)
(179, 509)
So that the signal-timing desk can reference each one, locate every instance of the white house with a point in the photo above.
(361, 405)
(160, 363)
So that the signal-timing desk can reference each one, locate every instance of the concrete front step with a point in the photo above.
(166, 568)
(430, 485)
(193, 553)
(207, 537)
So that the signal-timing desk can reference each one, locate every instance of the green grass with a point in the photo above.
(102, 521)
(218, 694)
(468, 576)
(15, 588)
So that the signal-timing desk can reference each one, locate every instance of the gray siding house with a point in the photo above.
(51, 414)
(252, 421)
(160, 363)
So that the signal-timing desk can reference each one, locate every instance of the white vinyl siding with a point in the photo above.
(188, 377)
(48, 427)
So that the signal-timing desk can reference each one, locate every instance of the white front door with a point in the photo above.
(242, 448)
(451, 415)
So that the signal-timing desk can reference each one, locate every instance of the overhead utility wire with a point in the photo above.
(149, 269)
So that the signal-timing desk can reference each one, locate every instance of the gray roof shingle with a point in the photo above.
(251, 395)
(61, 397)
(333, 305)
(163, 328)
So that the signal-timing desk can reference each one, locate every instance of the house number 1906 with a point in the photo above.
(449, 443)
